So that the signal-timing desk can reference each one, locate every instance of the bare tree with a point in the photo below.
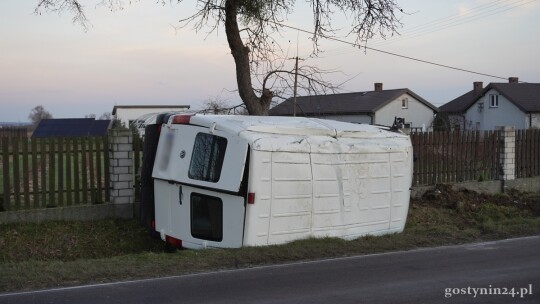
(90, 116)
(37, 114)
(251, 25)
(215, 105)
(106, 116)
(302, 78)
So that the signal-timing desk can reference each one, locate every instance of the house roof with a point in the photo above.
(461, 103)
(346, 103)
(149, 107)
(71, 127)
(526, 96)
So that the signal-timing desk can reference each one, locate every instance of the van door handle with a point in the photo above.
(180, 194)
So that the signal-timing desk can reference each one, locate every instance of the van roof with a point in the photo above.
(301, 134)
(290, 126)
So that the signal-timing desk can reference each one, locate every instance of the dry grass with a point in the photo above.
(88, 252)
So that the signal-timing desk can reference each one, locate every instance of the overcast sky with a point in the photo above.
(136, 56)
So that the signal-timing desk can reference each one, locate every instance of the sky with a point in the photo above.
(138, 55)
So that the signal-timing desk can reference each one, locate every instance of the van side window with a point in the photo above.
(206, 217)
(207, 157)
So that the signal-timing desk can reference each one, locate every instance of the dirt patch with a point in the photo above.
(446, 197)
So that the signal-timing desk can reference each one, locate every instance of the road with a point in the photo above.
(420, 276)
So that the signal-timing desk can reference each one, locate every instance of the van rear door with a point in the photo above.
(203, 218)
(204, 170)
(198, 157)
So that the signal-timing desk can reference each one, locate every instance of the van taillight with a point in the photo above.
(173, 241)
(182, 119)
(251, 198)
(153, 224)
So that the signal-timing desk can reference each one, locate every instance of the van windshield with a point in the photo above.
(207, 157)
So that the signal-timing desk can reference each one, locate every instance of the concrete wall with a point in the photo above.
(74, 213)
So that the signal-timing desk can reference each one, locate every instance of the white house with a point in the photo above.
(126, 114)
(378, 107)
(499, 104)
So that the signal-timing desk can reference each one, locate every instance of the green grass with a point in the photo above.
(69, 253)
(68, 241)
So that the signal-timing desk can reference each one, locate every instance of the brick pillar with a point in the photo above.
(507, 153)
(121, 166)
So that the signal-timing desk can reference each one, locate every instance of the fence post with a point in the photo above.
(507, 153)
(121, 166)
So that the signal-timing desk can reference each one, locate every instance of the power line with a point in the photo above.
(451, 17)
(473, 14)
(392, 54)
(446, 24)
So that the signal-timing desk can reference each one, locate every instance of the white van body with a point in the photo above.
(280, 179)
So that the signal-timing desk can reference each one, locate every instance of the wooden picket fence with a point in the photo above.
(447, 157)
(14, 131)
(51, 172)
(527, 153)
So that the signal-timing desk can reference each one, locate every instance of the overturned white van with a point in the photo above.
(232, 181)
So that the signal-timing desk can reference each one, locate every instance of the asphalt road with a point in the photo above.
(420, 276)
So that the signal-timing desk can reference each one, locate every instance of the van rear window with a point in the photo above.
(207, 157)
(206, 217)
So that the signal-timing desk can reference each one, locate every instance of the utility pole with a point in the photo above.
(295, 85)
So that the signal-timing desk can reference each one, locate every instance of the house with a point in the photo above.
(499, 104)
(127, 114)
(378, 107)
(71, 127)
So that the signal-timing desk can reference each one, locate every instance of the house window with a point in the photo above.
(493, 101)
(206, 217)
(207, 157)
(404, 103)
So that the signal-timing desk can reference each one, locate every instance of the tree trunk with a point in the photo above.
(254, 104)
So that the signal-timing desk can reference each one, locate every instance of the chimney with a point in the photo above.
(513, 80)
(478, 86)
(378, 86)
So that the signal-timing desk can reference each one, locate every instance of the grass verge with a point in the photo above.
(34, 256)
